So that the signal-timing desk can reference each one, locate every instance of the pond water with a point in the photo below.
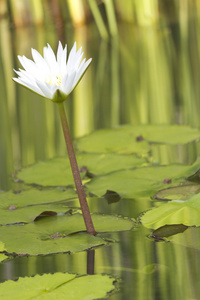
(147, 74)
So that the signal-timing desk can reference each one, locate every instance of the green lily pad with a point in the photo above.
(140, 182)
(170, 134)
(24, 207)
(123, 140)
(57, 234)
(174, 212)
(57, 286)
(34, 197)
(30, 213)
(135, 138)
(182, 192)
(57, 171)
(48, 174)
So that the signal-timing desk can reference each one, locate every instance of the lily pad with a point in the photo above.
(121, 140)
(135, 138)
(57, 171)
(30, 213)
(56, 234)
(182, 192)
(42, 173)
(24, 207)
(57, 286)
(34, 197)
(174, 212)
(140, 182)
(170, 134)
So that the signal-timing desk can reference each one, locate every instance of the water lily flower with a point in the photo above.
(53, 77)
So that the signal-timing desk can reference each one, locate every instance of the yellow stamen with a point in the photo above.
(54, 80)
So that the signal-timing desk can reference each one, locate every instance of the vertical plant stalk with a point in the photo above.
(75, 171)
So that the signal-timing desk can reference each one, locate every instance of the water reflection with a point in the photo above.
(146, 269)
(90, 262)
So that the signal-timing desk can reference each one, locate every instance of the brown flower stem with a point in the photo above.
(75, 171)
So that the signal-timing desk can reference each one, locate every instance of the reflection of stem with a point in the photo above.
(90, 261)
(74, 166)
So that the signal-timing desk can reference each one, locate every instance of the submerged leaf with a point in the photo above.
(56, 234)
(169, 230)
(195, 177)
(57, 286)
(189, 238)
(112, 197)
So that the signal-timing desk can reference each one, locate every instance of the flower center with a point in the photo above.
(54, 80)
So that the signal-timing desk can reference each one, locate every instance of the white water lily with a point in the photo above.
(53, 77)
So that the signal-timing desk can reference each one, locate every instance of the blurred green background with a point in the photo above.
(145, 69)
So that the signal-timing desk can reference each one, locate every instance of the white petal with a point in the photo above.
(29, 85)
(50, 59)
(64, 81)
(39, 60)
(61, 58)
(26, 63)
(45, 89)
(24, 74)
(63, 62)
(67, 85)
(59, 52)
(71, 58)
(78, 61)
(81, 71)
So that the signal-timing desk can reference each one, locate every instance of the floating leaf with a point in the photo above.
(34, 196)
(55, 234)
(30, 213)
(133, 138)
(170, 134)
(140, 182)
(119, 140)
(174, 212)
(57, 286)
(182, 192)
(57, 171)
(24, 207)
